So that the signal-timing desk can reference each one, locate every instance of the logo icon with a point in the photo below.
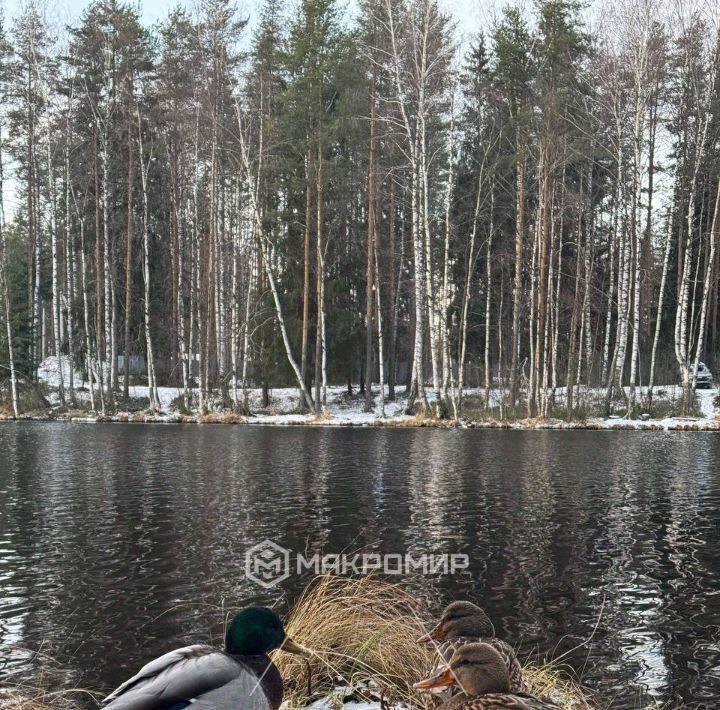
(267, 564)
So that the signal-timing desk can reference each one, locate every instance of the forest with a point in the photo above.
(316, 199)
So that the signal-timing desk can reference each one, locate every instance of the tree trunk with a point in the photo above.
(306, 267)
(55, 275)
(517, 287)
(370, 266)
(6, 291)
(320, 341)
(128, 257)
(144, 167)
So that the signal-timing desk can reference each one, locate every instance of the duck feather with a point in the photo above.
(190, 675)
(500, 701)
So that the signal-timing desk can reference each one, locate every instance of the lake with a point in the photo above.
(118, 542)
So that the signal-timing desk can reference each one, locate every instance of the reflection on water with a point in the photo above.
(119, 542)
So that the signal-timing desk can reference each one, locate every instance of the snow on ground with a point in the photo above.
(346, 699)
(49, 372)
(707, 403)
(349, 410)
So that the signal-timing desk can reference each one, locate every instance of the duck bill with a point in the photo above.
(438, 682)
(289, 646)
(437, 634)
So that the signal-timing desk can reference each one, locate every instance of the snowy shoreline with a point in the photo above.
(671, 424)
(345, 410)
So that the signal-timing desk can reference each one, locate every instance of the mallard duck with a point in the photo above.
(241, 676)
(481, 674)
(463, 622)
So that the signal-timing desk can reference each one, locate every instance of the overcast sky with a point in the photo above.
(68, 10)
(470, 15)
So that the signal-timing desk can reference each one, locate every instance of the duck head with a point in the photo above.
(256, 631)
(476, 668)
(460, 619)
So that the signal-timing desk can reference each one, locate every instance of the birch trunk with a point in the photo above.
(661, 299)
(488, 287)
(144, 167)
(69, 266)
(6, 290)
(107, 364)
(89, 359)
(707, 281)
(444, 302)
(637, 240)
(517, 285)
(412, 135)
(572, 363)
(55, 274)
(128, 257)
(320, 340)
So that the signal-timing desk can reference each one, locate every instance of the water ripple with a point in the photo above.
(118, 542)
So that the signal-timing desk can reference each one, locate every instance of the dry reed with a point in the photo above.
(26, 697)
(363, 633)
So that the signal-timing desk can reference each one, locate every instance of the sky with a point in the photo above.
(66, 10)
(470, 15)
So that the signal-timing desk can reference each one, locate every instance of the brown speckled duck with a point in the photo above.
(481, 674)
(463, 622)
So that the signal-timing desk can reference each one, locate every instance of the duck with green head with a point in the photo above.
(240, 676)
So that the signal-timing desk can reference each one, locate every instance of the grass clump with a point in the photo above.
(552, 682)
(223, 417)
(30, 698)
(364, 635)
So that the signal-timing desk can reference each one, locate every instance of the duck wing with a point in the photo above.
(243, 692)
(180, 676)
(507, 653)
(501, 701)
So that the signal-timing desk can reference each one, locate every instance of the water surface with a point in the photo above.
(120, 542)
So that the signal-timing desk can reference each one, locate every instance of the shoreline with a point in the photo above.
(480, 410)
(403, 422)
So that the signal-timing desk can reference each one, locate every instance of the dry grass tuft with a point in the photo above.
(415, 420)
(551, 682)
(363, 632)
(224, 417)
(6, 410)
(232, 418)
(29, 698)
